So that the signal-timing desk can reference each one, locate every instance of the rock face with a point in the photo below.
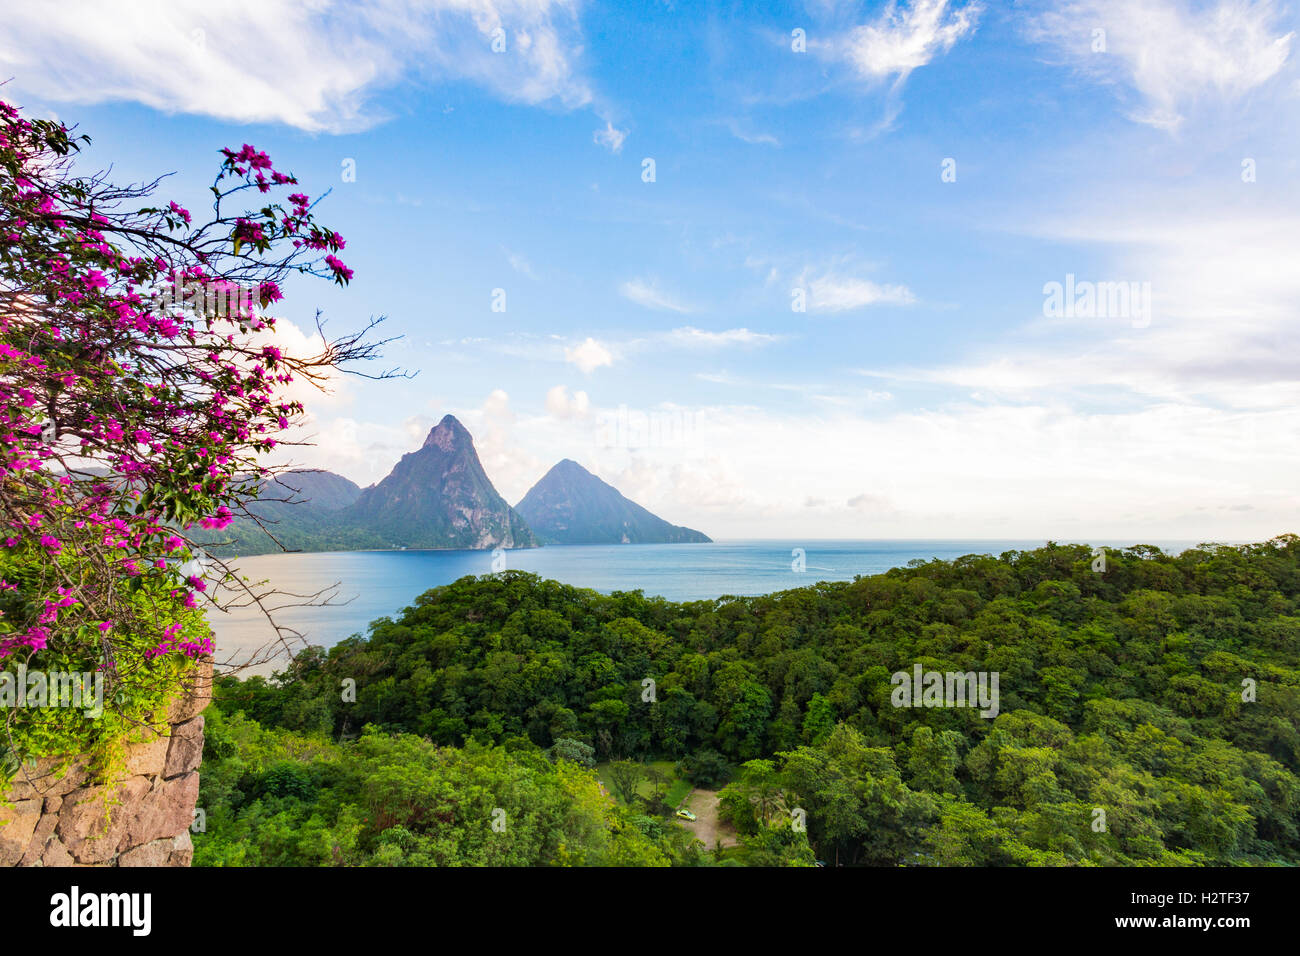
(570, 505)
(440, 497)
(53, 818)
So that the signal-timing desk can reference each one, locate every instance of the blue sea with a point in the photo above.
(366, 585)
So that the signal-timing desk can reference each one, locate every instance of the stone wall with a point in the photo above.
(62, 818)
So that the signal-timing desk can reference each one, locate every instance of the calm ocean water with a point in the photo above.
(376, 584)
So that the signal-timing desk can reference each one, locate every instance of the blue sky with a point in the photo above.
(924, 391)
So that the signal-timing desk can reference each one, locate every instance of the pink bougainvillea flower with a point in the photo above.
(341, 272)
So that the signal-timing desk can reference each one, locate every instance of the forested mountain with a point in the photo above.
(1149, 714)
(570, 505)
(440, 497)
(435, 497)
(321, 489)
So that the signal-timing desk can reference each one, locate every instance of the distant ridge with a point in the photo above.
(298, 510)
(570, 505)
(320, 489)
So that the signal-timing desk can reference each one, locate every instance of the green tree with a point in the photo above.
(626, 775)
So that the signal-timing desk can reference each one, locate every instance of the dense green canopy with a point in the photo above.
(1149, 713)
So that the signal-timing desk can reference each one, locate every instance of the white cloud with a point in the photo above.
(1223, 314)
(418, 427)
(360, 450)
(589, 355)
(610, 137)
(510, 464)
(866, 502)
(497, 405)
(648, 294)
(520, 264)
(904, 37)
(689, 337)
(833, 292)
(1035, 470)
(1171, 54)
(313, 66)
(718, 378)
(335, 388)
(561, 405)
(909, 35)
(754, 139)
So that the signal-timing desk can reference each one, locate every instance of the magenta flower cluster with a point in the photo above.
(123, 426)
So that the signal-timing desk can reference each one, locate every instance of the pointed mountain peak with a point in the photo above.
(440, 497)
(447, 434)
(570, 505)
(568, 465)
(568, 473)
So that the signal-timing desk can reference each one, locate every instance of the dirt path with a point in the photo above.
(706, 826)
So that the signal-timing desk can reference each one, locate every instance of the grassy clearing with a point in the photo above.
(677, 792)
(678, 787)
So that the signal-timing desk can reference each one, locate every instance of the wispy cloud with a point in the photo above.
(520, 264)
(904, 37)
(689, 337)
(836, 292)
(590, 352)
(1170, 55)
(313, 66)
(1221, 329)
(611, 137)
(648, 294)
(745, 135)
(909, 35)
(718, 378)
